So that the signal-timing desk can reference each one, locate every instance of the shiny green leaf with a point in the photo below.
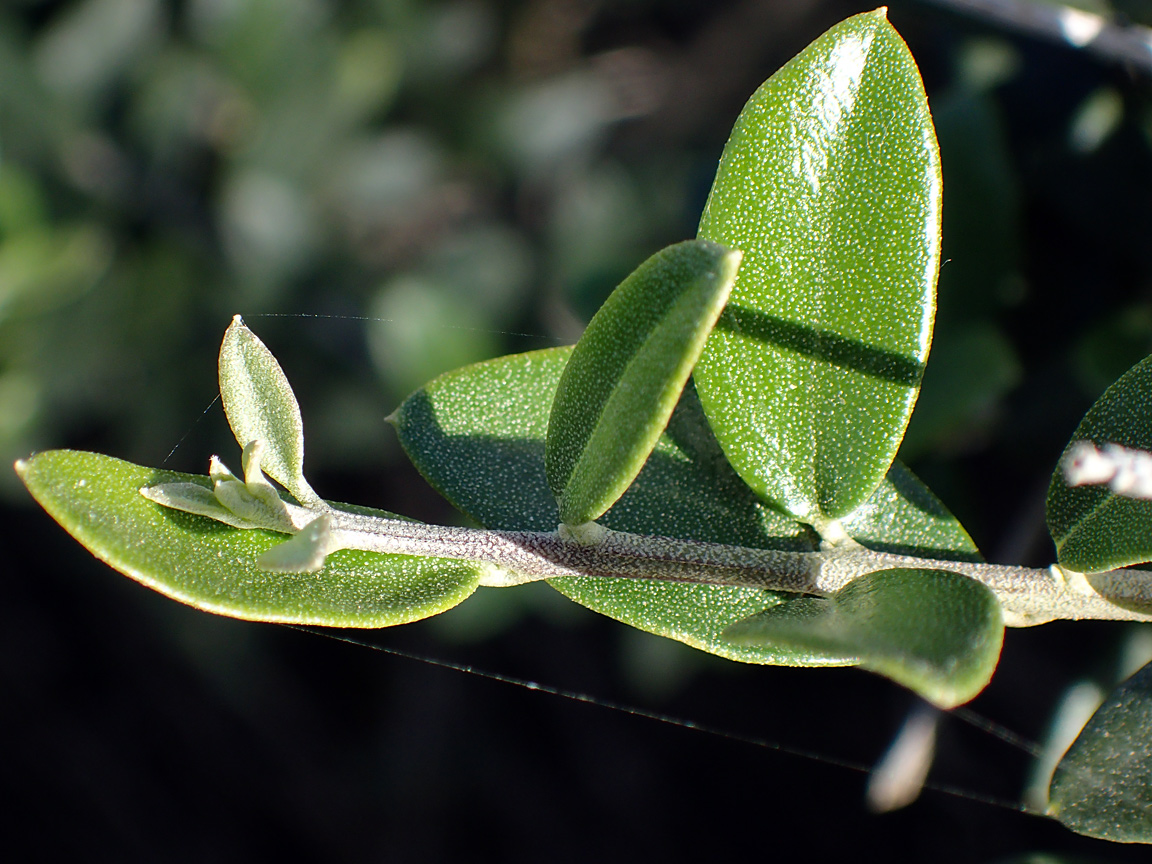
(261, 406)
(937, 633)
(201, 562)
(1103, 785)
(830, 184)
(626, 374)
(1095, 529)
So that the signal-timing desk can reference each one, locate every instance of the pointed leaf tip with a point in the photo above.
(830, 183)
(627, 372)
(260, 406)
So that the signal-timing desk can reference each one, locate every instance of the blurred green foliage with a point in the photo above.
(438, 167)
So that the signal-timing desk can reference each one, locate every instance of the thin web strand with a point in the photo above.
(660, 717)
(552, 339)
(195, 423)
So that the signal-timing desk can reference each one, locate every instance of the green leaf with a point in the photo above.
(1103, 785)
(904, 517)
(626, 374)
(830, 184)
(1094, 528)
(477, 434)
(935, 632)
(261, 406)
(212, 566)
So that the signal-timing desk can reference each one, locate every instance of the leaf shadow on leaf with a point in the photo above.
(505, 487)
(498, 481)
(821, 345)
(904, 517)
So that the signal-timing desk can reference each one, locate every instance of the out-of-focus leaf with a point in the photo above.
(1094, 528)
(261, 406)
(1103, 785)
(625, 376)
(981, 210)
(935, 632)
(42, 268)
(212, 566)
(1113, 346)
(420, 330)
(971, 370)
(830, 184)
(93, 42)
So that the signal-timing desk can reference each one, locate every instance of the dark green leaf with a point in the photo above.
(477, 435)
(935, 632)
(626, 374)
(212, 566)
(830, 184)
(1103, 785)
(1094, 528)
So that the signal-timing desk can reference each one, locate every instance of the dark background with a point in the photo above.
(453, 181)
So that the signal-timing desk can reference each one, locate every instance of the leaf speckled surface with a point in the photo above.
(1103, 785)
(830, 184)
(212, 566)
(935, 632)
(260, 405)
(477, 435)
(626, 374)
(1095, 529)
(479, 431)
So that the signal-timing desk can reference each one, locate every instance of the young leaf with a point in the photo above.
(935, 632)
(212, 566)
(1103, 785)
(261, 406)
(830, 184)
(626, 374)
(1094, 528)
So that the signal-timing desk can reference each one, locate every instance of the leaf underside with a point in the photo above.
(260, 406)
